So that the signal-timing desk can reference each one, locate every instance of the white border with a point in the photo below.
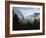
(25, 31)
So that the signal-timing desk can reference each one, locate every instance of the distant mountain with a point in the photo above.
(36, 14)
(25, 16)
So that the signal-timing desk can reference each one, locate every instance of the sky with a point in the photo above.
(26, 11)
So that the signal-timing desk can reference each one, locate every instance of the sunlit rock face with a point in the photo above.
(26, 15)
